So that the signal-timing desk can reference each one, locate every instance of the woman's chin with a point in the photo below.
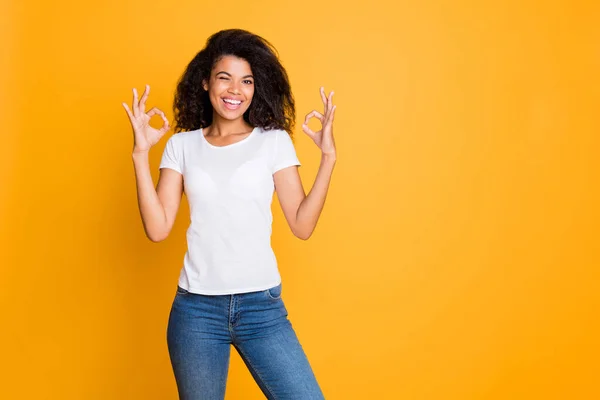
(231, 115)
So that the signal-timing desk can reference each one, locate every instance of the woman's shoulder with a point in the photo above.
(273, 133)
(187, 134)
(274, 130)
(180, 137)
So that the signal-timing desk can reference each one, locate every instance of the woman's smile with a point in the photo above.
(231, 104)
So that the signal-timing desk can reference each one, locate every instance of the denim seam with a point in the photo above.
(238, 313)
(273, 298)
(231, 312)
(182, 291)
(258, 374)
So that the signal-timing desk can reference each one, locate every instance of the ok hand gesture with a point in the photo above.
(324, 137)
(144, 135)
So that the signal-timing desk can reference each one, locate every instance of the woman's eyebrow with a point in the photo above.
(227, 73)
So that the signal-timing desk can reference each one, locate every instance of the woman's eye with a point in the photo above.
(249, 82)
(222, 77)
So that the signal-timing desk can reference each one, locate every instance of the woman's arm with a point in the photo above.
(301, 211)
(158, 207)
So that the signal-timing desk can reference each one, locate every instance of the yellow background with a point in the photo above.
(457, 256)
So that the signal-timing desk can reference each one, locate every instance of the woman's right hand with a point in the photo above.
(144, 135)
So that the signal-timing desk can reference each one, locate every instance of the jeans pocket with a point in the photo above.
(274, 292)
(181, 290)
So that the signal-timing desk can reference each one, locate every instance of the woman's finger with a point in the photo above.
(331, 115)
(165, 128)
(313, 113)
(324, 98)
(308, 131)
(322, 90)
(128, 112)
(143, 99)
(328, 107)
(154, 111)
(134, 106)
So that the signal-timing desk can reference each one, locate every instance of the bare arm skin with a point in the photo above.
(158, 207)
(301, 211)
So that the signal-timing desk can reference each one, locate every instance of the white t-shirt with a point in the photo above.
(229, 191)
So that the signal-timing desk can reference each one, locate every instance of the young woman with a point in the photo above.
(234, 114)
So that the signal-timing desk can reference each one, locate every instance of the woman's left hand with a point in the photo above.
(324, 137)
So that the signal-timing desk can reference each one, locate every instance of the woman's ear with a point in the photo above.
(205, 85)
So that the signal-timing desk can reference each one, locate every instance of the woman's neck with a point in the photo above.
(223, 127)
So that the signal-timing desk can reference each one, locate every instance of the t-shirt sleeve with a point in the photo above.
(171, 157)
(285, 153)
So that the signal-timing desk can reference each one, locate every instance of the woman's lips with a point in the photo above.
(230, 106)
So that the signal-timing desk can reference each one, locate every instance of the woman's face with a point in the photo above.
(231, 87)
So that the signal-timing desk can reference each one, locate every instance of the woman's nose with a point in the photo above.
(234, 88)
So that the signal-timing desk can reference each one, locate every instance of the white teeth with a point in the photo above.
(236, 102)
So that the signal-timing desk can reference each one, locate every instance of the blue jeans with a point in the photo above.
(201, 329)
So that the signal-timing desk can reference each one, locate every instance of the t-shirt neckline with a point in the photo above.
(228, 145)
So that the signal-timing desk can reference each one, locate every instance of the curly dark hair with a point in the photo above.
(272, 105)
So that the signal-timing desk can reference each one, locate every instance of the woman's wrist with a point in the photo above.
(139, 153)
(329, 156)
(140, 158)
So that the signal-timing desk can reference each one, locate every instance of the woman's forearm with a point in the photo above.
(310, 209)
(151, 210)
